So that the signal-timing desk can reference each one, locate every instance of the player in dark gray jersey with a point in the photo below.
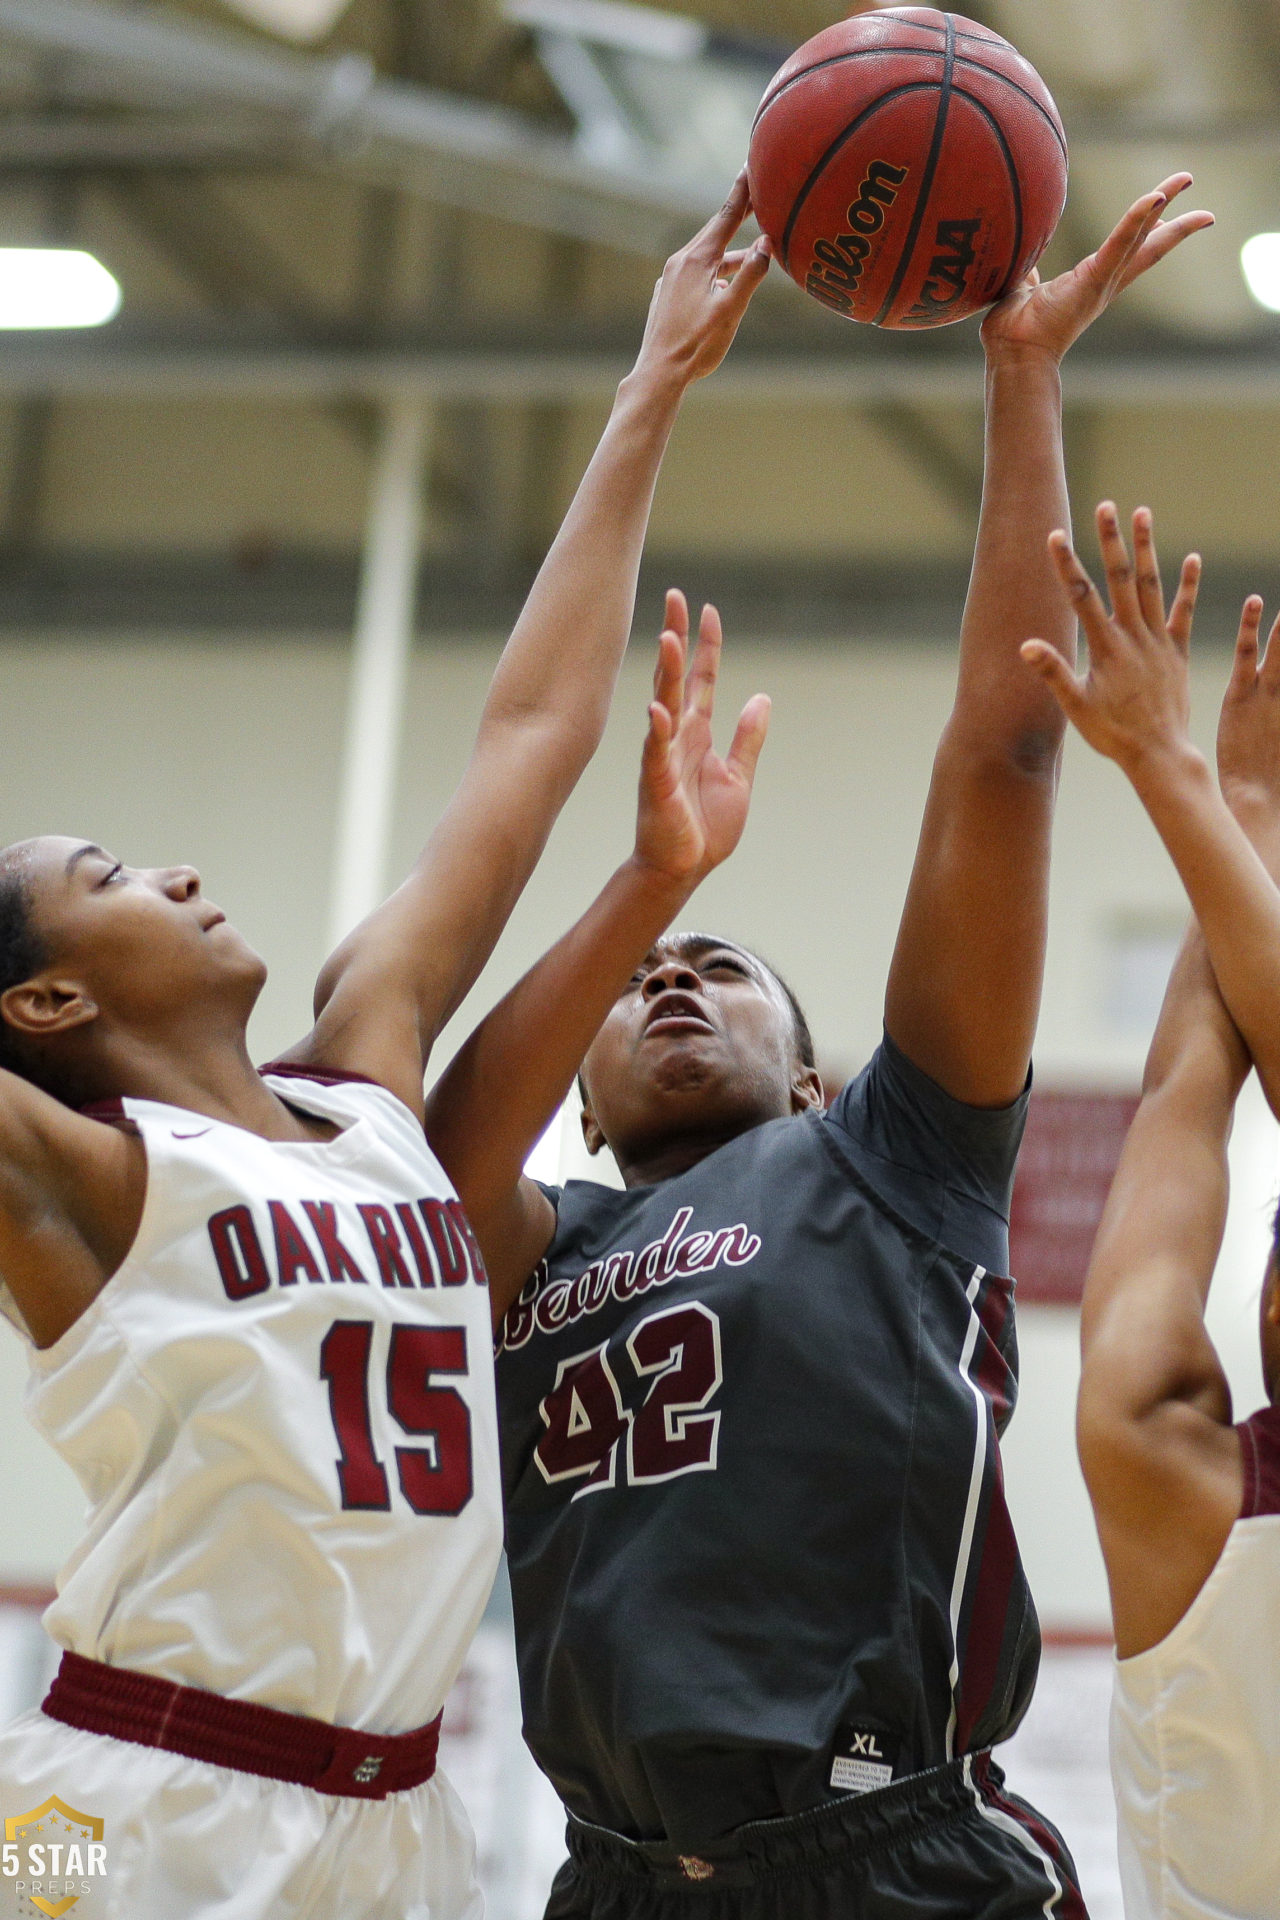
(770, 1613)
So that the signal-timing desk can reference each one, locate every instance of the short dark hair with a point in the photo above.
(22, 954)
(804, 1039)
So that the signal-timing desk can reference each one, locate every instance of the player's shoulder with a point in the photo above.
(591, 1216)
(346, 1097)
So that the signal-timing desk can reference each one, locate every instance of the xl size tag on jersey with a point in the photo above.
(862, 1759)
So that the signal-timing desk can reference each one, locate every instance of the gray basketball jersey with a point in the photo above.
(759, 1547)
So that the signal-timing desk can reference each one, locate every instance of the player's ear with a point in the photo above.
(591, 1131)
(806, 1091)
(46, 1005)
(1271, 1293)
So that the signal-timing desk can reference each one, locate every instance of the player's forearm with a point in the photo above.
(499, 1093)
(1014, 593)
(1231, 892)
(559, 667)
(1142, 1320)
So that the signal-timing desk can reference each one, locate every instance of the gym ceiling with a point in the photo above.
(310, 206)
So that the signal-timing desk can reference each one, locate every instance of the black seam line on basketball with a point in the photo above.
(1014, 183)
(887, 52)
(845, 134)
(926, 184)
(925, 53)
(840, 59)
(1013, 87)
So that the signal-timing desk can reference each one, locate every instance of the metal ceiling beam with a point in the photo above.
(573, 366)
(152, 141)
(337, 113)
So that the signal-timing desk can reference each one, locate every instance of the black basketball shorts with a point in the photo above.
(949, 1844)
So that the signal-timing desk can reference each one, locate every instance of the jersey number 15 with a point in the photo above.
(434, 1478)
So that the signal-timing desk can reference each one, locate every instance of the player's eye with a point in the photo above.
(721, 963)
(113, 874)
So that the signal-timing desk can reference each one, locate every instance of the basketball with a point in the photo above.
(909, 167)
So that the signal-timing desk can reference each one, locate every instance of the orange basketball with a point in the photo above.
(909, 166)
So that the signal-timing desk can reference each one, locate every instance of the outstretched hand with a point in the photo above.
(1133, 703)
(693, 804)
(703, 293)
(1051, 315)
(1249, 725)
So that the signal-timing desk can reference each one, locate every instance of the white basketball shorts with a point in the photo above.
(95, 1828)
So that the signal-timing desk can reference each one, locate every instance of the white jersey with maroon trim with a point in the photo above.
(1195, 1728)
(281, 1409)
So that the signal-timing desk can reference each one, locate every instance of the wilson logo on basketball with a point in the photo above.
(838, 264)
(954, 254)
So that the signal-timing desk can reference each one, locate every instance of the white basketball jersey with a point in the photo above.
(281, 1409)
(1195, 1729)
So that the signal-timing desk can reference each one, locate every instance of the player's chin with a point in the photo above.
(231, 953)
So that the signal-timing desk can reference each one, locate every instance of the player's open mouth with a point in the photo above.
(677, 1013)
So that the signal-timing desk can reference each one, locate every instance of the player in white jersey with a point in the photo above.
(258, 1323)
(1187, 1504)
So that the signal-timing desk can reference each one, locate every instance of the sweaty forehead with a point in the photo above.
(44, 856)
(693, 947)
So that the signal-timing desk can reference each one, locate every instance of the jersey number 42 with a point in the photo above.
(594, 1437)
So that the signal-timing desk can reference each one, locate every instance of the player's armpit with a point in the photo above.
(71, 1197)
(1166, 1491)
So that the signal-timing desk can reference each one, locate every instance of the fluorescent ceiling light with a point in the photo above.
(55, 287)
(1260, 264)
(293, 19)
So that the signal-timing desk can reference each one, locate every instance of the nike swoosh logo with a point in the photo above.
(193, 1136)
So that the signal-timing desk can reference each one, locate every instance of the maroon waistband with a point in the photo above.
(238, 1734)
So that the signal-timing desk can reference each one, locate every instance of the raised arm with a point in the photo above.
(964, 986)
(1133, 706)
(1160, 1459)
(498, 1094)
(384, 994)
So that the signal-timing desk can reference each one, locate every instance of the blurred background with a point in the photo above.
(279, 458)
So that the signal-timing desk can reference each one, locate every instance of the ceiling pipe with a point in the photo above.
(336, 112)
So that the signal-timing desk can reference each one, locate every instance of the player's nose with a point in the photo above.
(180, 883)
(672, 974)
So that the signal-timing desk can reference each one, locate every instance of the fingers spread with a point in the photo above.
(1121, 580)
(1127, 235)
(700, 690)
(1244, 666)
(1176, 183)
(1270, 671)
(656, 772)
(675, 617)
(749, 736)
(1147, 570)
(1162, 240)
(1183, 611)
(668, 675)
(1082, 593)
(1050, 665)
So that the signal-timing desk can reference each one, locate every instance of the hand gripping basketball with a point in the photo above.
(1052, 315)
(703, 293)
